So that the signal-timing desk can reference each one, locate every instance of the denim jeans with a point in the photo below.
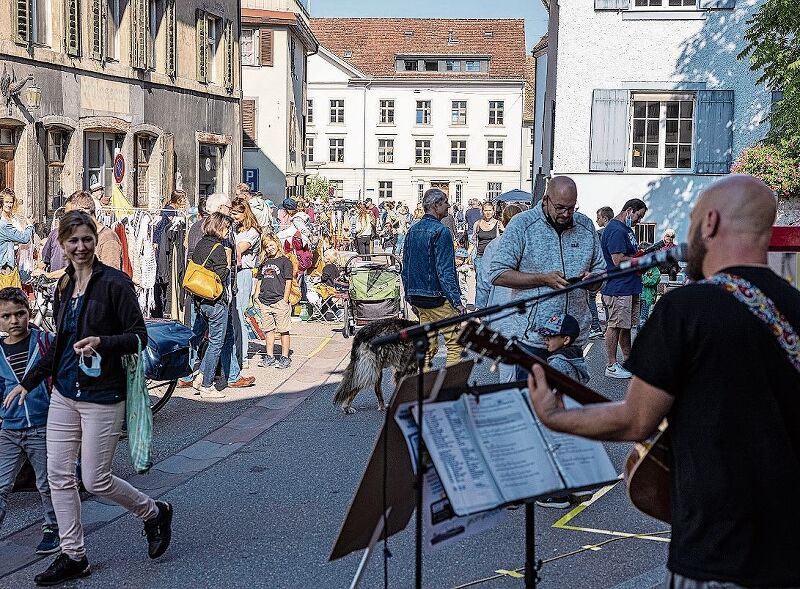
(15, 445)
(593, 310)
(244, 286)
(482, 287)
(644, 311)
(231, 368)
(198, 331)
(218, 317)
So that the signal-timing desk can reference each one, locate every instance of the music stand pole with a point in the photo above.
(421, 345)
(531, 565)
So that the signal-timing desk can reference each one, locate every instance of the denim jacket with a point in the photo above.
(9, 237)
(429, 262)
(33, 412)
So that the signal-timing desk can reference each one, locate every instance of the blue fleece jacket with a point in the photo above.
(33, 412)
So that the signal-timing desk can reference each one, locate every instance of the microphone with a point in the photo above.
(675, 254)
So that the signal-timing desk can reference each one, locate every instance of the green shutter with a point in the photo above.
(140, 25)
(229, 56)
(72, 28)
(97, 22)
(202, 47)
(172, 40)
(23, 22)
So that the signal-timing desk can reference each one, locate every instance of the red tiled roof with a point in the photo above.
(376, 42)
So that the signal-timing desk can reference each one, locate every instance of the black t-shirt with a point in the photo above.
(17, 355)
(274, 272)
(330, 275)
(734, 429)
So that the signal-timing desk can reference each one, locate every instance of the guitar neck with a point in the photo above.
(557, 380)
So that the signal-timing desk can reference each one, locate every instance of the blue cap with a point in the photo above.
(289, 204)
(462, 253)
(560, 324)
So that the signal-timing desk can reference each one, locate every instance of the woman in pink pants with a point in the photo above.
(98, 321)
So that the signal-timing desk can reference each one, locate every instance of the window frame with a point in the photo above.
(422, 152)
(336, 152)
(106, 168)
(386, 151)
(493, 190)
(471, 69)
(452, 65)
(421, 111)
(253, 31)
(635, 7)
(310, 147)
(385, 189)
(498, 113)
(338, 109)
(409, 62)
(458, 113)
(53, 169)
(310, 111)
(663, 99)
(494, 153)
(458, 153)
(386, 111)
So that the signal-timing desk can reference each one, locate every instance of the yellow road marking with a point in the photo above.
(507, 573)
(562, 524)
(320, 347)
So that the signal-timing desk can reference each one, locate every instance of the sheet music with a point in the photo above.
(457, 458)
(410, 430)
(580, 462)
(512, 445)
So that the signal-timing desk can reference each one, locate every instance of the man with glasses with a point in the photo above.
(621, 295)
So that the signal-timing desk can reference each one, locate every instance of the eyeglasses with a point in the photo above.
(562, 209)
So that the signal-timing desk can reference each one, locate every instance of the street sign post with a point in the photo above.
(119, 169)
(250, 177)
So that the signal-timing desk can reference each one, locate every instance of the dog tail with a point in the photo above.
(361, 373)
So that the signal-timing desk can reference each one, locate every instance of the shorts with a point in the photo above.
(623, 311)
(277, 316)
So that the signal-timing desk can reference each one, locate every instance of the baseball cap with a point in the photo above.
(462, 253)
(289, 204)
(560, 324)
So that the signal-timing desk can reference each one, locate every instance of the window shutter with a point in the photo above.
(248, 123)
(714, 135)
(612, 4)
(140, 24)
(202, 47)
(72, 28)
(609, 130)
(172, 40)
(96, 12)
(228, 40)
(717, 4)
(23, 22)
(265, 47)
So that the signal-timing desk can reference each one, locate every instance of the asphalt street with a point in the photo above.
(265, 512)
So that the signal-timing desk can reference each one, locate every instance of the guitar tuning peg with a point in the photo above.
(493, 368)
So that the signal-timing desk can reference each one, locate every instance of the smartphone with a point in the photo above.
(574, 279)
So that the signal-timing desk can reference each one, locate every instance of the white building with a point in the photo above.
(646, 98)
(276, 43)
(396, 106)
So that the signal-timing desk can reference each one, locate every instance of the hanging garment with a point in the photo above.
(119, 229)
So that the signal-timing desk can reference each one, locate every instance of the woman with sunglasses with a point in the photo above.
(99, 321)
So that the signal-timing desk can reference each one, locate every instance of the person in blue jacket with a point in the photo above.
(22, 431)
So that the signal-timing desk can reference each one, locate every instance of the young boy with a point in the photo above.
(22, 432)
(274, 285)
(560, 331)
(462, 269)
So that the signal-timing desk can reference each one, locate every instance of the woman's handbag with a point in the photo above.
(202, 282)
(139, 415)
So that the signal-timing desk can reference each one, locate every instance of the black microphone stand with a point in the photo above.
(421, 334)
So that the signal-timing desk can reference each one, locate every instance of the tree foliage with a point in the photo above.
(773, 46)
(317, 187)
(772, 165)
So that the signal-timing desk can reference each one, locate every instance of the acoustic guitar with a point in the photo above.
(646, 467)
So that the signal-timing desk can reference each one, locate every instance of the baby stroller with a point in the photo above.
(374, 291)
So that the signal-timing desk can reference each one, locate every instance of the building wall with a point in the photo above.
(693, 50)
(82, 94)
(361, 130)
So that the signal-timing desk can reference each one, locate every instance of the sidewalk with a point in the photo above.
(317, 352)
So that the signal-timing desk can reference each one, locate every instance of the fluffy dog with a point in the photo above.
(366, 364)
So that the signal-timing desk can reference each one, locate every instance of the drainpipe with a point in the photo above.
(364, 148)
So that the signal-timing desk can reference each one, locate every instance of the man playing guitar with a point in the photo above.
(720, 360)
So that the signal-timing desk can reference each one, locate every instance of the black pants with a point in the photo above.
(362, 245)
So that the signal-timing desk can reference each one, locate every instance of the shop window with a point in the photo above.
(143, 152)
(99, 154)
(210, 175)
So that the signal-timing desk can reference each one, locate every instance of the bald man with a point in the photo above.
(730, 393)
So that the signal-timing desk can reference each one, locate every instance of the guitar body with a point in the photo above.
(647, 476)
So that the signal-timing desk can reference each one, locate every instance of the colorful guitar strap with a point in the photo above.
(762, 307)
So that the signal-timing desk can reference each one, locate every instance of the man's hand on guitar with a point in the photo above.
(546, 401)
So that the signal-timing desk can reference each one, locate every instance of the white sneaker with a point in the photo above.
(211, 393)
(617, 371)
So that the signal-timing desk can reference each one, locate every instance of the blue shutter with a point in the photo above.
(612, 4)
(714, 134)
(609, 131)
(717, 4)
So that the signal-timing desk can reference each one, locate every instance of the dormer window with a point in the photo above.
(451, 38)
(348, 54)
(410, 65)
(431, 66)
(488, 34)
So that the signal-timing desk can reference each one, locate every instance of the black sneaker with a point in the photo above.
(50, 543)
(282, 362)
(159, 530)
(555, 502)
(63, 569)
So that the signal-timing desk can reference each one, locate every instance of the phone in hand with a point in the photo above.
(574, 279)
